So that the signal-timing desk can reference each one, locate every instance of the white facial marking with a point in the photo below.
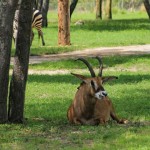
(96, 86)
(99, 95)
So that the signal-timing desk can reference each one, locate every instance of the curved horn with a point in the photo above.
(89, 66)
(100, 66)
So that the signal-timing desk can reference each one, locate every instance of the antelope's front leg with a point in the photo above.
(114, 116)
(120, 121)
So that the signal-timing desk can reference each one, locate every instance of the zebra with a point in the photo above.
(36, 23)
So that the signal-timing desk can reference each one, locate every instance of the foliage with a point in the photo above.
(86, 5)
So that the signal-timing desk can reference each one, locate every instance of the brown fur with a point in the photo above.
(89, 110)
(81, 111)
(104, 110)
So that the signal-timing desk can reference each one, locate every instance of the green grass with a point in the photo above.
(125, 62)
(49, 96)
(124, 29)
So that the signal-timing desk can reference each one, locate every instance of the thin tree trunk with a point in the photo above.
(73, 6)
(20, 70)
(98, 9)
(44, 11)
(147, 7)
(63, 22)
(108, 9)
(7, 10)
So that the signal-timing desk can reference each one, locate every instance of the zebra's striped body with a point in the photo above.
(36, 23)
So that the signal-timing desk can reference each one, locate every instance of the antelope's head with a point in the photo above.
(93, 86)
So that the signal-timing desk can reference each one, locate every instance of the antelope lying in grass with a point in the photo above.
(91, 105)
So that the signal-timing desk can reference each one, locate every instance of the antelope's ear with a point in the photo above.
(105, 79)
(81, 77)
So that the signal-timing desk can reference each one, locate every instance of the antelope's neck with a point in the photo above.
(90, 101)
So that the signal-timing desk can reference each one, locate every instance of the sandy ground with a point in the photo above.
(102, 51)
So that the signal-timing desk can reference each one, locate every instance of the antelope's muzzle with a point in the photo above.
(99, 95)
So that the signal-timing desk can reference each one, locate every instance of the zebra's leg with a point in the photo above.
(40, 33)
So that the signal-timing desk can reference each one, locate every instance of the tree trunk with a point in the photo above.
(20, 70)
(7, 10)
(108, 9)
(98, 9)
(147, 7)
(73, 6)
(39, 4)
(44, 11)
(35, 4)
(63, 22)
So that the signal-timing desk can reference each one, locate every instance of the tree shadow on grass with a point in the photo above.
(114, 25)
(111, 61)
(134, 99)
(133, 105)
(118, 60)
(48, 118)
(134, 102)
(108, 61)
(123, 79)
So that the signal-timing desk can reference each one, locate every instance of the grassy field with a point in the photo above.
(125, 29)
(122, 62)
(49, 96)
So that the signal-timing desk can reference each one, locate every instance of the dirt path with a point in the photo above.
(103, 51)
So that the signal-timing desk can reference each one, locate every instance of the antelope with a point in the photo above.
(91, 105)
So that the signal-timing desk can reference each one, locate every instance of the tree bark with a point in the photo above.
(98, 9)
(108, 9)
(147, 7)
(35, 4)
(39, 4)
(21, 60)
(63, 22)
(44, 11)
(7, 10)
(73, 6)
